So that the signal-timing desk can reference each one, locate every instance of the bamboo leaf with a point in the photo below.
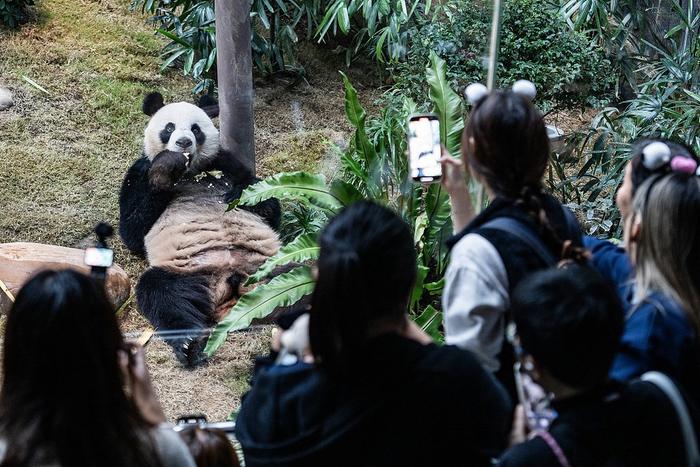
(282, 291)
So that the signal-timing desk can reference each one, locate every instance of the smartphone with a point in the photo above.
(534, 399)
(99, 257)
(424, 151)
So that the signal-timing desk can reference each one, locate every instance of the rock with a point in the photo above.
(19, 261)
(5, 99)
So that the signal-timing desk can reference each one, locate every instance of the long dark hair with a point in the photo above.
(505, 142)
(366, 270)
(62, 398)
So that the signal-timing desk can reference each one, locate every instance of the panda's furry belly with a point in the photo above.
(196, 234)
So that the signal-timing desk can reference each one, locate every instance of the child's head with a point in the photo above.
(505, 143)
(209, 447)
(663, 238)
(366, 270)
(570, 322)
(649, 157)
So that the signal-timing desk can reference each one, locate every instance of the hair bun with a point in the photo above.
(655, 155)
(475, 93)
(525, 88)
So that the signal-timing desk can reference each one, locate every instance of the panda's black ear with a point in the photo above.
(152, 103)
(209, 105)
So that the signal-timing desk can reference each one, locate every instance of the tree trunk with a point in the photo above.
(235, 79)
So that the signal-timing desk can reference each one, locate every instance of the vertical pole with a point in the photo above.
(235, 79)
(494, 45)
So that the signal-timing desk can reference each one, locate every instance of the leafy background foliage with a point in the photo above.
(536, 44)
(659, 63)
(14, 12)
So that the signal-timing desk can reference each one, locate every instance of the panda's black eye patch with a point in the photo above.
(166, 132)
(198, 134)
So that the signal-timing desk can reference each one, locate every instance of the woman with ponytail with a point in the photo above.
(355, 397)
(506, 148)
(657, 273)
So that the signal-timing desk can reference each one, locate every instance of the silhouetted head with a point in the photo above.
(505, 143)
(366, 270)
(209, 447)
(63, 390)
(570, 321)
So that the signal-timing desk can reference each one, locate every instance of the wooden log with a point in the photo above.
(20, 261)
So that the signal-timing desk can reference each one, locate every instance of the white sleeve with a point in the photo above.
(171, 449)
(475, 299)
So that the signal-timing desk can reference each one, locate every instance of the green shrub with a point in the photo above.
(14, 12)
(536, 44)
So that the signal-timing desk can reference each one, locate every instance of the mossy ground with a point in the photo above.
(65, 151)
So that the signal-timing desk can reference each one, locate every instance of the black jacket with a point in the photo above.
(630, 425)
(407, 404)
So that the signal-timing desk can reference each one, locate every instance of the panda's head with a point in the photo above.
(181, 127)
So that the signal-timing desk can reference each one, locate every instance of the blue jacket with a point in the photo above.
(658, 335)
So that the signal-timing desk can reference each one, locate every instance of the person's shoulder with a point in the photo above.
(659, 311)
(171, 450)
(531, 453)
(476, 253)
(449, 358)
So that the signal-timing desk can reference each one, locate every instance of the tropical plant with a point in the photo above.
(374, 167)
(536, 44)
(666, 104)
(376, 28)
(14, 12)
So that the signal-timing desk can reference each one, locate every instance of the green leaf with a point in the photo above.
(346, 192)
(284, 290)
(429, 321)
(305, 187)
(174, 38)
(417, 292)
(344, 20)
(303, 248)
(448, 105)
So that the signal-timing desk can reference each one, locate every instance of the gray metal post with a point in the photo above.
(494, 46)
(235, 79)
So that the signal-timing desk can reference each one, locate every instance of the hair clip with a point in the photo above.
(684, 165)
(475, 93)
(525, 88)
(655, 155)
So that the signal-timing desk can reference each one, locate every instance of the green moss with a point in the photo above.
(301, 151)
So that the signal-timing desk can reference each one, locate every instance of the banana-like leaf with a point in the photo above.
(437, 207)
(429, 321)
(301, 186)
(417, 292)
(284, 290)
(448, 105)
(365, 149)
(303, 248)
(345, 192)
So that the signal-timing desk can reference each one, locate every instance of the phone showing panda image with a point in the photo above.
(424, 150)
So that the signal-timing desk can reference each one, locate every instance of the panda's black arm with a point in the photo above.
(140, 206)
(269, 209)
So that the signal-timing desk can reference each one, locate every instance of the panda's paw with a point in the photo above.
(190, 350)
(166, 169)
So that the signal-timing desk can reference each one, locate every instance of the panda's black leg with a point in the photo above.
(172, 302)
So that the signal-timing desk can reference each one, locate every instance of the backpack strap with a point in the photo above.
(666, 385)
(525, 234)
(554, 446)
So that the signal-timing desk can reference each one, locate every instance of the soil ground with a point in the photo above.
(66, 149)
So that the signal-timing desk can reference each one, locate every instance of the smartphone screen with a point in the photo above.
(100, 257)
(424, 148)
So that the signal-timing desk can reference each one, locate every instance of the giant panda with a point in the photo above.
(173, 209)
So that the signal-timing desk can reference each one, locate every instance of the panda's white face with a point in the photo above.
(182, 127)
